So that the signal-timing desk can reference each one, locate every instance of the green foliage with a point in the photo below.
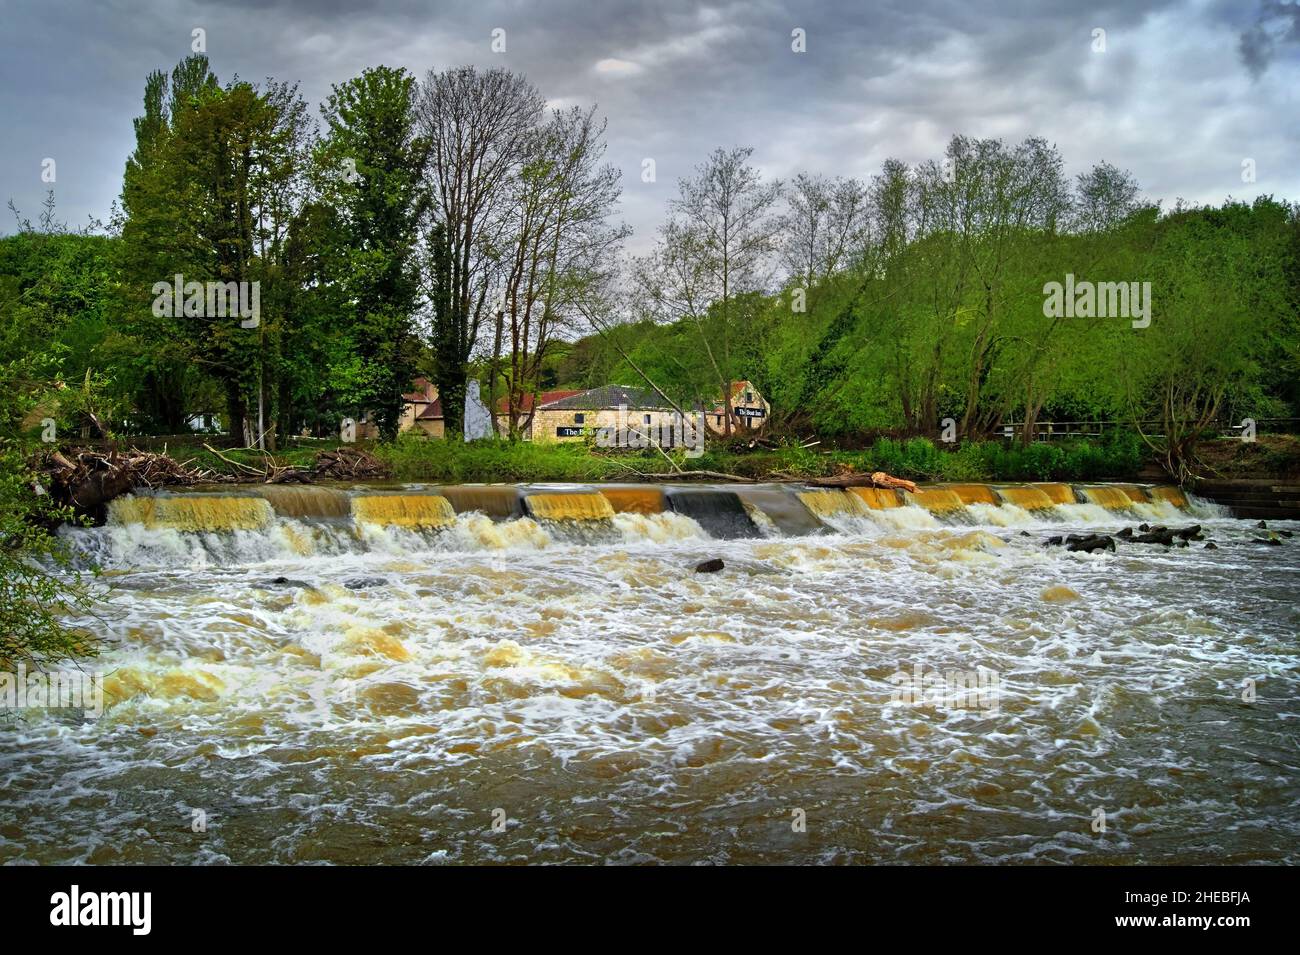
(38, 585)
(369, 168)
(414, 458)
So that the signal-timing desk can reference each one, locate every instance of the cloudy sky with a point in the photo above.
(1183, 92)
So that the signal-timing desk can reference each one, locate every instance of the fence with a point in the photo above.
(1060, 430)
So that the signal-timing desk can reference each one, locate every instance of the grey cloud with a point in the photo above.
(1277, 24)
(1169, 99)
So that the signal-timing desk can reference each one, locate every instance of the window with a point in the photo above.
(579, 418)
(749, 397)
(645, 419)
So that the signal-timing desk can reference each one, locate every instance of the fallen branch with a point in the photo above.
(714, 475)
(875, 479)
(237, 464)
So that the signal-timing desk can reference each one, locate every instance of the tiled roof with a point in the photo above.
(503, 403)
(424, 390)
(430, 411)
(610, 396)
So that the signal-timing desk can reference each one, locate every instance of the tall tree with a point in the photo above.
(560, 242)
(717, 243)
(478, 126)
(825, 227)
(371, 167)
(210, 195)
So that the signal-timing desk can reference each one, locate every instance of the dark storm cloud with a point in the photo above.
(1182, 93)
(1276, 25)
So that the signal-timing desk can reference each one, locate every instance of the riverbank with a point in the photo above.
(917, 459)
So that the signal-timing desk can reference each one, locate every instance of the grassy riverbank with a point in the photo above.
(1119, 458)
(919, 459)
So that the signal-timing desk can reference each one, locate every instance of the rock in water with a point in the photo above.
(1090, 544)
(1210, 545)
(1158, 535)
(478, 420)
(710, 566)
(365, 583)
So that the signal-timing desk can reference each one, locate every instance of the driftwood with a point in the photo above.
(349, 463)
(87, 480)
(679, 475)
(875, 479)
(269, 472)
(246, 468)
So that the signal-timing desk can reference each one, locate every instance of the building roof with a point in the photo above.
(546, 397)
(425, 391)
(610, 397)
(737, 387)
(430, 411)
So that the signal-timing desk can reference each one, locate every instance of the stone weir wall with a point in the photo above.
(1255, 498)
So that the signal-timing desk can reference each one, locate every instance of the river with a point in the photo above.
(538, 675)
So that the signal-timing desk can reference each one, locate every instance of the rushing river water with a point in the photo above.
(477, 675)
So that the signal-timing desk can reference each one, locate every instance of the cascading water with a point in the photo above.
(363, 674)
(719, 512)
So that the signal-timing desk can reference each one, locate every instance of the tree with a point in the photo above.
(559, 242)
(717, 243)
(825, 228)
(1104, 197)
(478, 126)
(217, 178)
(370, 165)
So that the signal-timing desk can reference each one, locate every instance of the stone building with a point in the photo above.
(421, 409)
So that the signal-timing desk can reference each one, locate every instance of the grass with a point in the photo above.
(420, 459)
(1269, 455)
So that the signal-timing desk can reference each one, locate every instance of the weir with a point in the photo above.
(1112, 498)
(299, 500)
(1058, 493)
(1028, 497)
(877, 498)
(500, 502)
(790, 515)
(974, 494)
(833, 503)
(1136, 494)
(635, 499)
(403, 510)
(719, 512)
(1168, 494)
(589, 506)
(309, 518)
(937, 500)
(192, 512)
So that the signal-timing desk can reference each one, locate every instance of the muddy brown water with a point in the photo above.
(379, 677)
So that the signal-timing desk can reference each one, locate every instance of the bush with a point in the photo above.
(37, 585)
